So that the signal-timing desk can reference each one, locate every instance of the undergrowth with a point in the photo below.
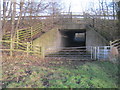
(32, 72)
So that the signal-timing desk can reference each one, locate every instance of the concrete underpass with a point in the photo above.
(73, 37)
(72, 41)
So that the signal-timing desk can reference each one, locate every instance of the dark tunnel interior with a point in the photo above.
(73, 37)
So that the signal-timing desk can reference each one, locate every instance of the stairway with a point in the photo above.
(71, 53)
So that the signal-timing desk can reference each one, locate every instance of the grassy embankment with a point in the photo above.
(36, 73)
(27, 72)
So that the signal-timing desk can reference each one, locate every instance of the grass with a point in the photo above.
(32, 72)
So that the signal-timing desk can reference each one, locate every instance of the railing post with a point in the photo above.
(11, 47)
(27, 48)
(40, 50)
(98, 53)
(17, 39)
(91, 52)
(17, 35)
(110, 43)
(105, 52)
(31, 31)
(95, 54)
(43, 52)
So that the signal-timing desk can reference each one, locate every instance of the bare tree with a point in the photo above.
(107, 9)
(118, 15)
(7, 8)
(0, 26)
(20, 14)
(69, 10)
(4, 9)
(24, 14)
(55, 7)
(13, 19)
(113, 9)
(106, 23)
(0, 47)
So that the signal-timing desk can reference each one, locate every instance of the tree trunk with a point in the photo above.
(0, 48)
(0, 26)
(4, 14)
(113, 9)
(20, 15)
(7, 17)
(13, 19)
(118, 14)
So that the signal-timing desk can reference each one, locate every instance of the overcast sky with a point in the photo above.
(76, 5)
(81, 5)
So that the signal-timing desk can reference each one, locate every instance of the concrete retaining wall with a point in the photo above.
(95, 39)
(51, 40)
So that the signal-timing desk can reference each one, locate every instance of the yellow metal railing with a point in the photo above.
(28, 48)
(20, 43)
(115, 43)
(25, 33)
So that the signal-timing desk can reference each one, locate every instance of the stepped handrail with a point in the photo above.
(26, 33)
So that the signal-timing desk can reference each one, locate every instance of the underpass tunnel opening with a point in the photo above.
(73, 37)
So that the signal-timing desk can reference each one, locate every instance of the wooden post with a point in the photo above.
(17, 35)
(11, 47)
(40, 51)
(17, 39)
(31, 32)
(27, 48)
(43, 52)
(110, 43)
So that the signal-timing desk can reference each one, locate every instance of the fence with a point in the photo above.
(26, 33)
(28, 48)
(81, 53)
(100, 52)
(73, 53)
(116, 44)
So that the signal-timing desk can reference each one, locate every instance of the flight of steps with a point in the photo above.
(71, 53)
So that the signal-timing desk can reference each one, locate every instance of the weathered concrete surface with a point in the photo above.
(95, 39)
(114, 55)
(54, 39)
(51, 40)
(72, 25)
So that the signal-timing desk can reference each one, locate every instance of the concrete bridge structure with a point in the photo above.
(76, 36)
(72, 33)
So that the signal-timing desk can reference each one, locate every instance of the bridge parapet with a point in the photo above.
(73, 26)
